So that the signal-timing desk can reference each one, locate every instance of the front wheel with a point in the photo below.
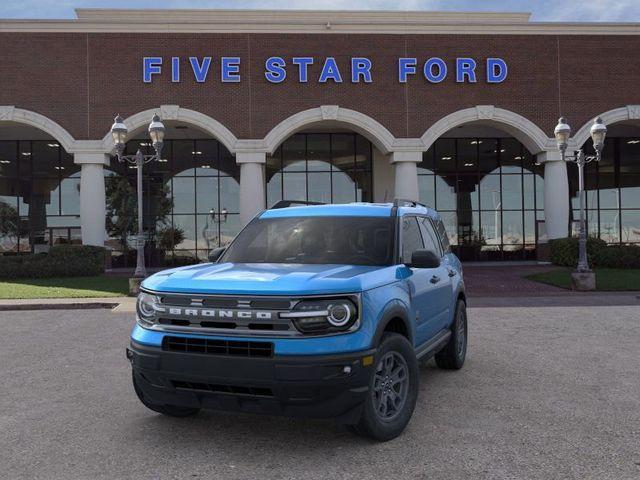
(393, 390)
(452, 356)
(169, 410)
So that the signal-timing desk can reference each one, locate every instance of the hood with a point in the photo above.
(270, 279)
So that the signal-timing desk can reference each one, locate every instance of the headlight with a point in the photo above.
(146, 307)
(323, 315)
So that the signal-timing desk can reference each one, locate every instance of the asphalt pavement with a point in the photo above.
(547, 393)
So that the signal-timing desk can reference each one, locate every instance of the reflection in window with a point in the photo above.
(612, 188)
(201, 179)
(39, 196)
(321, 167)
(489, 192)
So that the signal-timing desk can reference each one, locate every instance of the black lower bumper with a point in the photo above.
(327, 386)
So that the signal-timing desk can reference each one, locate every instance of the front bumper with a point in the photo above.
(322, 386)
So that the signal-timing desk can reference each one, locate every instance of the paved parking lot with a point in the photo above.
(547, 393)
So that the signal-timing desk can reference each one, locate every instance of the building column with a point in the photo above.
(252, 188)
(92, 197)
(556, 194)
(406, 173)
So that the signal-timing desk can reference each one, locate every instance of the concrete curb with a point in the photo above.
(9, 307)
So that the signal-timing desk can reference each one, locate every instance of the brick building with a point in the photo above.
(453, 109)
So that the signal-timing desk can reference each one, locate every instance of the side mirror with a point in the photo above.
(424, 259)
(216, 253)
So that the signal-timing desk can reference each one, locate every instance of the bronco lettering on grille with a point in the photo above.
(213, 313)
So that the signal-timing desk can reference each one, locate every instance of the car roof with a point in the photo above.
(360, 209)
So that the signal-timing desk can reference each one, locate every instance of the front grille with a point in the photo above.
(217, 347)
(229, 389)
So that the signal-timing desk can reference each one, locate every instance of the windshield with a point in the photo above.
(332, 240)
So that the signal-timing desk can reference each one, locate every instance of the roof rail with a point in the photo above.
(289, 203)
(400, 202)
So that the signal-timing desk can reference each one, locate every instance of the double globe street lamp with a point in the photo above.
(119, 133)
(583, 278)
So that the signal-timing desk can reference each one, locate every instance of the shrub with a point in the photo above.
(618, 256)
(564, 251)
(61, 261)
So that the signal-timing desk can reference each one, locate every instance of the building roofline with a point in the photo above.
(311, 21)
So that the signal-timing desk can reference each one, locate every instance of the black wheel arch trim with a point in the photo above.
(392, 312)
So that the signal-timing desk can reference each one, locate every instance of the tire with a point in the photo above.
(385, 414)
(452, 356)
(169, 410)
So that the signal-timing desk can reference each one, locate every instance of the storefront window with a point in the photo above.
(489, 192)
(612, 189)
(321, 167)
(193, 191)
(39, 196)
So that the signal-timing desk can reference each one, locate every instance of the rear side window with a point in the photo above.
(411, 238)
(442, 233)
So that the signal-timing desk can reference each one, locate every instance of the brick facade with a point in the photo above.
(80, 80)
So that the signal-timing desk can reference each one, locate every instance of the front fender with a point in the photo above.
(383, 305)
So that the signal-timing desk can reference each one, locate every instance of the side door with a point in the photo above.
(443, 286)
(419, 282)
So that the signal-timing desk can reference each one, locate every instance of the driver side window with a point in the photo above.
(411, 238)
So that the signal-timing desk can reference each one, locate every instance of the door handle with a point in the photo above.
(452, 273)
(435, 279)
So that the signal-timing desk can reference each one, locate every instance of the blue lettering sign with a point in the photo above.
(303, 67)
(230, 70)
(496, 70)
(465, 67)
(406, 66)
(330, 71)
(360, 67)
(200, 71)
(151, 66)
(175, 69)
(428, 70)
(275, 69)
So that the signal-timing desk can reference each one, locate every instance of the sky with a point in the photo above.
(542, 10)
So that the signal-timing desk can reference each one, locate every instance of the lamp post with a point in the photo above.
(119, 133)
(562, 133)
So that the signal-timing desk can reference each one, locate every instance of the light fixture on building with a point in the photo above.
(562, 133)
(205, 166)
(447, 158)
(58, 168)
(25, 154)
(476, 142)
(53, 145)
(119, 133)
(468, 164)
(196, 152)
(4, 162)
(633, 142)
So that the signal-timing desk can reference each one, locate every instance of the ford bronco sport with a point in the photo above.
(319, 311)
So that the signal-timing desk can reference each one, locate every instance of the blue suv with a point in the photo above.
(315, 310)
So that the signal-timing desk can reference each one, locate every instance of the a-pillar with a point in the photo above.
(252, 193)
(556, 194)
(406, 173)
(92, 197)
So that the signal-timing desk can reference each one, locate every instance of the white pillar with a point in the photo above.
(556, 194)
(252, 188)
(406, 170)
(92, 197)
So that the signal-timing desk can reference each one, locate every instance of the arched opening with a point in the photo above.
(488, 188)
(321, 164)
(328, 154)
(612, 186)
(191, 198)
(39, 190)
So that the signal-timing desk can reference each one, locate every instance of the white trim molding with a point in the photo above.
(629, 112)
(10, 113)
(363, 124)
(523, 129)
(179, 114)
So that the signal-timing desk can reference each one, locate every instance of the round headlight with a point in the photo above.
(340, 314)
(146, 306)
